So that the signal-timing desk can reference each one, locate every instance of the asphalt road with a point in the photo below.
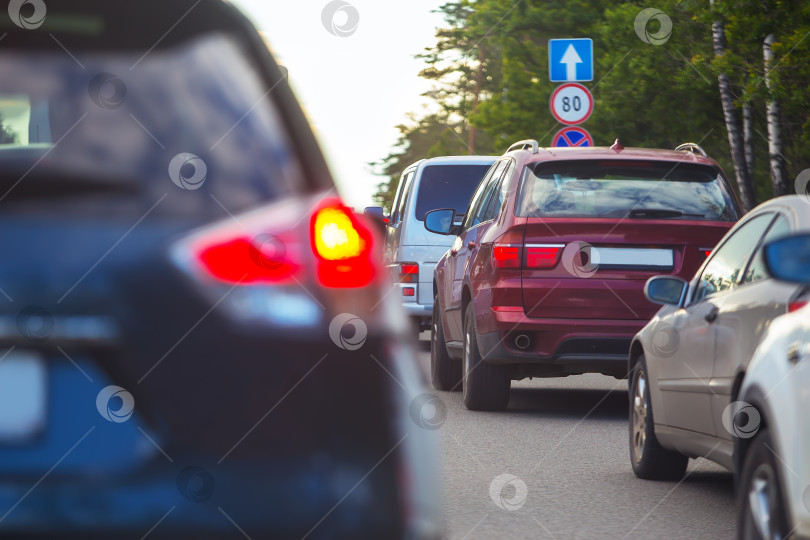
(565, 440)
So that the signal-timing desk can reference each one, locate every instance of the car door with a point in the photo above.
(466, 242)
(393, 232)
(743, 317)
(686, 373)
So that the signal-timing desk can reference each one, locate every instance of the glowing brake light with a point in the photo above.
(335, 235)
(248, 261)
(543, 255)
(342, 246)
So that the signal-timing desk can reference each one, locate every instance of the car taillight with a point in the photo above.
(543, 255)
(796, 305)
(506, 250)
(342, 246)
(264, 259)
(408, 272)
(506, 256)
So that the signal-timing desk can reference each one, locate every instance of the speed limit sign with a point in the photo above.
(571, 104)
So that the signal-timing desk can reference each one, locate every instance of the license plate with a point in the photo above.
(633, 258)
(23, 395)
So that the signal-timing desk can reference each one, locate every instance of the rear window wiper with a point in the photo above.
(659, 213)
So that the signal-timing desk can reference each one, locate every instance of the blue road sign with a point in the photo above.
(572, 137)
(570, 60)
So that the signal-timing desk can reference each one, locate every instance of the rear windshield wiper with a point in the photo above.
(659, 213)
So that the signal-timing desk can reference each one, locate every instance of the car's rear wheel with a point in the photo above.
(445, 372)
(486, 386)
(761, 505)
(649, 459)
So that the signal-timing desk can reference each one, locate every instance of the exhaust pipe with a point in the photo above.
(523, 342)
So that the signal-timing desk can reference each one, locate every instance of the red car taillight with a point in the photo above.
(342, 246)
(408, 272)
(248, 261)
(507, 250)
(543, 255)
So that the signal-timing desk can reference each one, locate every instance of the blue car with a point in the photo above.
(194, 335)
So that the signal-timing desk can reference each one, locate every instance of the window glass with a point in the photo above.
(625, 189)
(496, 201)
(477, 213)
(402, 197)
(727, 263)
(476, 200)
(174, 127)
(447, 186)
(757, 271)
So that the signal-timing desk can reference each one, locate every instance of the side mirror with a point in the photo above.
(375, 212)
(788, 259)
(666, 290)
(440, 221)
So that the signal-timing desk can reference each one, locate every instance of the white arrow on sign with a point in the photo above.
(571, 59)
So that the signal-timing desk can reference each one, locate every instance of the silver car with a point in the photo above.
(411, 251)
(687, 364)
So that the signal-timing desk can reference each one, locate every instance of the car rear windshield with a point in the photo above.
(625, 189)
(194, 122)
(448, 186)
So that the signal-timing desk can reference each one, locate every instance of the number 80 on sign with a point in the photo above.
(571, 104)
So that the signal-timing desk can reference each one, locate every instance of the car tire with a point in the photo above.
(760, 485)
(445, 372)
(649, 459)
(486, 386)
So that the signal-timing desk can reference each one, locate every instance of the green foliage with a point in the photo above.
(655, 96)
(6, 135)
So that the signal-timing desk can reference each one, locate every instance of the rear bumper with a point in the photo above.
(263, 499)
(562, 346)
(414, 309)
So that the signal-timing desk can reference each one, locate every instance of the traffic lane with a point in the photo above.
(566, 441)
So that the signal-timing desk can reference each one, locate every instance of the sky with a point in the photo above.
(358, 85)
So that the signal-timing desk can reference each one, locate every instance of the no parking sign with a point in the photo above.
(572, 137)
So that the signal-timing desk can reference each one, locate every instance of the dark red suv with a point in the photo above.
(546, 275)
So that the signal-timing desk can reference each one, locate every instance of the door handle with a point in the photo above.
(711, 316)
(470, 245)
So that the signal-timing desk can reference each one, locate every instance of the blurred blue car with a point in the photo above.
(194, 335)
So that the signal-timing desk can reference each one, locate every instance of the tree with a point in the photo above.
(6, 135)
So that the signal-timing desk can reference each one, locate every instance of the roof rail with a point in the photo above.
(528, 144)
(693, 148)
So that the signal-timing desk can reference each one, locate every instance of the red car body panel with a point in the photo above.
(575, 324)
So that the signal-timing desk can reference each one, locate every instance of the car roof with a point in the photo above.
(603, 152)
(456, 160)
(798, 204)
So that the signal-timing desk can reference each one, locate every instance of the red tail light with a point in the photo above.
(796, 305)
(506, 251)
(543, 255)
(408, 272)
(506, 256)
(264, 259)
(342, 246)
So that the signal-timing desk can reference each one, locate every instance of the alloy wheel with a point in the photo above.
(639, 416)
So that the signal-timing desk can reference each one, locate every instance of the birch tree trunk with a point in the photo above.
(774, 127)
(748, 137)
(735, 135)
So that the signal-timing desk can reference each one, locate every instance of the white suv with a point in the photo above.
(411, 251)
